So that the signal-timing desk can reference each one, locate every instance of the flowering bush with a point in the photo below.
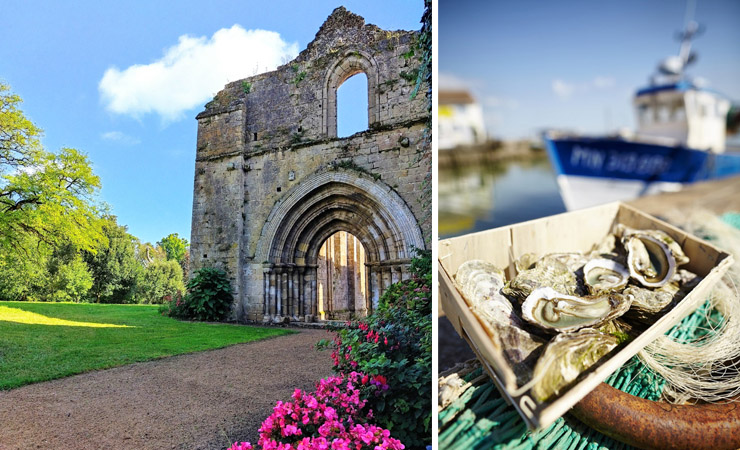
(173, 307)
(209, 297)
(334, 417)
(394, 347)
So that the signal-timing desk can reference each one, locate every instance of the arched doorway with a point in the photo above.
(331, 201)
(341, 279)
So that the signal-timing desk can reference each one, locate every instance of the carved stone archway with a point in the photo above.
(328, 202)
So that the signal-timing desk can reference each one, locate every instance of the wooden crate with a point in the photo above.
(575, 231)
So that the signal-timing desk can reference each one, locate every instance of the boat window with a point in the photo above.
(679, 113)
(663, 114)
(644, 113)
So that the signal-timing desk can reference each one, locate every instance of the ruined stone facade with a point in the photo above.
(273, 182)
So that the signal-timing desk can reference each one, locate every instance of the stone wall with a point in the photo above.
(273, 182)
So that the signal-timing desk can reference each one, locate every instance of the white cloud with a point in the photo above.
(565, 90)
(603, 82)
(562, 89)
(453, 82)
(118, 136)
(500, 102)
(192, 71)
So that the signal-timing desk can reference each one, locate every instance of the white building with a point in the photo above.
(460, 120)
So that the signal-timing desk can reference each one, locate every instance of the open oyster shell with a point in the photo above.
(652, 255)
(604, 275)
(558, 312)
(566, 357)
(480, 284)
(649, 260)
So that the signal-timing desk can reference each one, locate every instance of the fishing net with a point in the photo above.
(694, 359)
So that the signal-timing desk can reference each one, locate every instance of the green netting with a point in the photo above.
(481, 419)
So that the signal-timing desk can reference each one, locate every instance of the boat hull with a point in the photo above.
(592, 171)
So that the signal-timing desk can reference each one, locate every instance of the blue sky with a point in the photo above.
(575, 64)
(123, 80)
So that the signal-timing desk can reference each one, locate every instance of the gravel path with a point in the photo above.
(203, 400)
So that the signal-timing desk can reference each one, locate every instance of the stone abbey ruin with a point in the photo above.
(309, 225)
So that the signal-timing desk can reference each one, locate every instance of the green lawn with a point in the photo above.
(43, 341)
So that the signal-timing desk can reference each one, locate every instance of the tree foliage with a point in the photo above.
(19, 137)
(174, 246)
(45, 196)
(160, 279)
(114, 265)
(56, 241)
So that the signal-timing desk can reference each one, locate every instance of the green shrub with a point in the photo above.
(160, 280)
(395, 342)
(209, 297)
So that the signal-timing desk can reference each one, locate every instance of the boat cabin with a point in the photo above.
(682, 113)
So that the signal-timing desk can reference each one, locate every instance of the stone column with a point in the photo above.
(368, 289)
(395, 274)
(278, 293)
(312, 290)
(273, 293)
(295, 277)
(405, 272)
(265, 292)
(376, 286)
(306, 291)
(285, 292)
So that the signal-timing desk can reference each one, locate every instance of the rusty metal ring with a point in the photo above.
(657, 425)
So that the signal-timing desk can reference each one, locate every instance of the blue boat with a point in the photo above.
(680, 139)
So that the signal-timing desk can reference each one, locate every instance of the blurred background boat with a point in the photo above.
(680, 139)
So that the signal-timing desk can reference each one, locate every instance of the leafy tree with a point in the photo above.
(19, 137)
(72, 281)
(114, 266)
(146, 253)
(160, 279)
(174, 246)
(47, 197)
(22, 277)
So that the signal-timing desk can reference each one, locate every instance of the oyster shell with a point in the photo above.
(573, 261)
(558, 312)
(600, 274)
(650, 260)
(480, 283)
(566, 357)
(652, 255)
(607, 246)
(649, 304)
(548, 271)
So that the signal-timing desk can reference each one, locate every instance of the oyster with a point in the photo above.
(649, 304)
(566, 357)
(652, 255)
(546, 272)
(650, 261)
(607, 246)
(558, 312)
(480, 283)
(525, 262)
(573, 261)
(602, 274)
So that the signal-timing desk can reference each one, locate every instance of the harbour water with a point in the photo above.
(480, 197)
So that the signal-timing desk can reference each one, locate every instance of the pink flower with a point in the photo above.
(242, 446)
